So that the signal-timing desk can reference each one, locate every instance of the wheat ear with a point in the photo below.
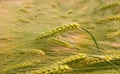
(110, 18)
(109, 5)
(63, 29)
(58, 30)
(72, 59)
(94, 59)
(114, 34)
(110, 59)
(52, 70)
(62, 42)
(32, 51)
(22, 65)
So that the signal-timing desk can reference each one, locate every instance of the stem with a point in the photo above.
(91, 36)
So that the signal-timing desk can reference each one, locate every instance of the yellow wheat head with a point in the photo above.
(22, 65)
(72, 59)
(52, 70)
(110, 18)
(114, 34)
(115, 17)
(94, 59)
(58, 30)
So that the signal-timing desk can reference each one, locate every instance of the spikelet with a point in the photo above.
(32, 51)
(58, 30)
(114, 34)
(110, 5)
(72, 59)
(62, 42)
(52, 70)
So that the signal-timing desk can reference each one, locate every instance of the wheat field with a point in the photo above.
(59, 36)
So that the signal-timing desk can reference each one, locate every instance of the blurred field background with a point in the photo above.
(21, 21)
